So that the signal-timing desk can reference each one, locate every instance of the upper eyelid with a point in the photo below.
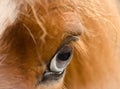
(66, 41)
(70, 38)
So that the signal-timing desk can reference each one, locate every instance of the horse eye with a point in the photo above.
(61, 59)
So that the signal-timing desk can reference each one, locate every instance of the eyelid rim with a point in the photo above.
(53, 63)
(53, 66)
(67, 41)
(70, 38)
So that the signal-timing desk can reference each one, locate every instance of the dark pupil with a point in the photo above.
(64, 56)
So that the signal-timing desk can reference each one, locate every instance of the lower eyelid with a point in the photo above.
(49, 76)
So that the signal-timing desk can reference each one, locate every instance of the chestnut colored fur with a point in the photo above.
(31, 31)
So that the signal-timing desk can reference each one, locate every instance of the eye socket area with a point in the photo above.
(62, 58)
(58, 64)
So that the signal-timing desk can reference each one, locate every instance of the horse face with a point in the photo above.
(36, 44)
(57, 44)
